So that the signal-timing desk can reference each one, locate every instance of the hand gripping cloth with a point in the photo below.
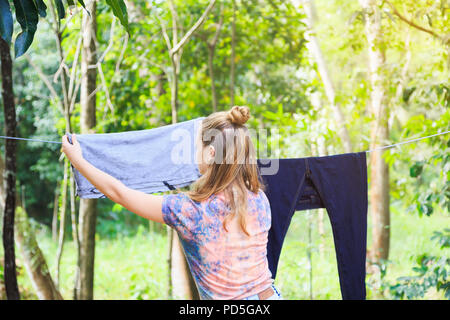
(152, 160)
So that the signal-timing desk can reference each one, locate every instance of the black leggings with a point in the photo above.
(337, 183)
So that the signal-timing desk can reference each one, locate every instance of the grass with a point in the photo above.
(135, 266)
(132, 267)
(410, 236)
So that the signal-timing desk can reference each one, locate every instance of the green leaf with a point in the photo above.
(120, 11)
(6, 21)
(42, 8)
(60, 9)
(416, 169)
(27, 16)
(82, 4)
(407, 92)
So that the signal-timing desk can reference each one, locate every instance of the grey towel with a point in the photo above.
(152, 160)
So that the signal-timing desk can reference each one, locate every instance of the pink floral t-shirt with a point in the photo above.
(225, 265)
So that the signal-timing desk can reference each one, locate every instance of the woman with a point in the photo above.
(223, 221)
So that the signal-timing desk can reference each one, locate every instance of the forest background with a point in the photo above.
(326, 76)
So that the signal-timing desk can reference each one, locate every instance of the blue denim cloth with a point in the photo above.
(152, 160)
(275, 296)
(337, 183)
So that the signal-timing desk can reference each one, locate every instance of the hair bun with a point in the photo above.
(239, 114)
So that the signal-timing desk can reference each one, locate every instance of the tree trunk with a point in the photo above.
(65, 110)
(233, 55)
(12, 289)
(2, 192)
(211, 49)
(88, 207)
(55, 213)
(169, 262)
(34, 260)
(86, 233)
(2, 284)
(62, 221)
(182, 280)
(181, 283)
(211, 75)
(75, 238)
(174, 91)
(330, 92)
(379, 169)
(160, 78)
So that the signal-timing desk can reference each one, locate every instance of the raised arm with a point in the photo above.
(145, 205)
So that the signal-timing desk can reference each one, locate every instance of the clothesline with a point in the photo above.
(408, 141)
(379, 148)
(17, 138)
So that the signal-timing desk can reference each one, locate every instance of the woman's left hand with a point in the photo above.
(72, 151)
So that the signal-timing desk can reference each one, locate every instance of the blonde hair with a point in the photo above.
(239, 172)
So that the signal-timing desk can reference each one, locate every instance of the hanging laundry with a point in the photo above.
(337, 183)
(152, 160)
(143, 160)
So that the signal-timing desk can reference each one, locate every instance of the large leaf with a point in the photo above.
(82, 3)
(27, 16)
(71, 3)
(60, 8)
(6, 21)
(416, 169)
(42, 8)
(120, 11)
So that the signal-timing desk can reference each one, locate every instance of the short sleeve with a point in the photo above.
(268, 212)
(178, 211)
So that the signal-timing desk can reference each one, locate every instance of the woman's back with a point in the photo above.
(225, 264)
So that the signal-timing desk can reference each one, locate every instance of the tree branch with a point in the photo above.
(74, 67)
(411, 23)
(71, 16)
(219, 27)
(193, 29)
(74, 95)
(164, 32)
(43, 77)
(122, 53)
(174, 23)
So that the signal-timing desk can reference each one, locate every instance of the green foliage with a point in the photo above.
(116, 221)
(427, 188)
(432, 272)
(416, 169)
(27, 16)
(134, 266)
(277, 77)
(2, 276)
(41, 7)
(443, 238)
(120, 11)
(28, 12)
(6, 21)
(60, 9)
